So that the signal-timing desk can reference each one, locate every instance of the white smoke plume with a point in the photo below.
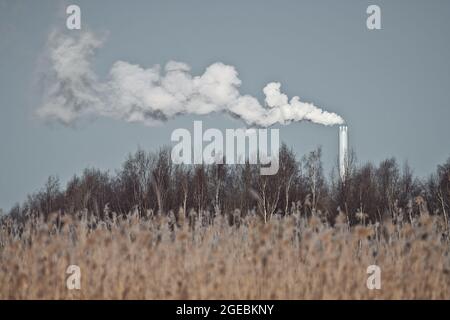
(151, 96)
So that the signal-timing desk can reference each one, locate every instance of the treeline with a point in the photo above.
(149, 184)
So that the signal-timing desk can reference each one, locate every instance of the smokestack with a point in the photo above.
(343, 151)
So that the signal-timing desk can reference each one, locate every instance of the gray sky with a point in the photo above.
(391, 85)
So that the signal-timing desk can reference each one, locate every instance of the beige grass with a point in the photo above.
(288, 258)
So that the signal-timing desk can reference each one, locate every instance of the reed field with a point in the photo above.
(214, 256)
(155, 230)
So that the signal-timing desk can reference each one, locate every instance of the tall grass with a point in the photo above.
(204, 257)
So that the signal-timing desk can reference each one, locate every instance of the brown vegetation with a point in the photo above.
(170, 257)
(159, 231)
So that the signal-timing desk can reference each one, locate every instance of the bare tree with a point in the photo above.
(161, 177)
(51, 194)
(443, 192)
(387, 180)
(149, 180)
(267, 194)
(200, 185)
(217, 180)
(182, 177)
(313, 170)
(288, 171)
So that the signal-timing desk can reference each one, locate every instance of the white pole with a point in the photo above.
(343, 151)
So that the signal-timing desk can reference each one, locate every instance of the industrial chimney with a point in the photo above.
(343, 151)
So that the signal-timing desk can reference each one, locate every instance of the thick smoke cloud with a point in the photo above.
(153, 95)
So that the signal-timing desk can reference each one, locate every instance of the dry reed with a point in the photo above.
(170, 257)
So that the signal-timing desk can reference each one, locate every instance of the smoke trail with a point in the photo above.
(151, 96)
